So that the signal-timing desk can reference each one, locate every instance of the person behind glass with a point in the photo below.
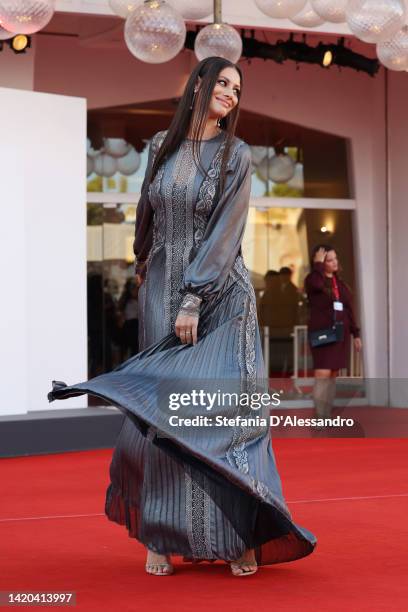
(327, 295)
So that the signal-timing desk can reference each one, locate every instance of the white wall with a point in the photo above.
(43, 310)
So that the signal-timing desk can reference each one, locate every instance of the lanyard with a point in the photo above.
(336, 291)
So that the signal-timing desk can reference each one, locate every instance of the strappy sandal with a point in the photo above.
(168, 567)
(237, 569)
(150, 569)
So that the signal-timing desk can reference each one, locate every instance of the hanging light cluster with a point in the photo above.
(155, 30)
(116, 155)
(382, 22)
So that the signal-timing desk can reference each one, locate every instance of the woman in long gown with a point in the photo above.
(209, 491)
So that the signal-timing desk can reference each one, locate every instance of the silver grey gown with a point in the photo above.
(203, 492)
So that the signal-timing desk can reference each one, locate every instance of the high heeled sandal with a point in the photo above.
(239, 565)
(149, 569)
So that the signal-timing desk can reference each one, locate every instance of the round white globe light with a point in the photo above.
(257, 155)
(281, 9)
(186, 8)
(307, 18)
(393, 53)
(89, 165)
(5, 34)
(105, 165)
(116, 147)
(26, 16)
(281, 168)
(278, 168)
(155, 32)
(122, 8)
(218, 39)
(375, 20)
(333, 11)
(130, 163)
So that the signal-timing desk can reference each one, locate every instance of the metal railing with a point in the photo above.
(302, 358)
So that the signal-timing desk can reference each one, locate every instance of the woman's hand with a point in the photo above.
(186, 328)
(320, 255)
(358, 344)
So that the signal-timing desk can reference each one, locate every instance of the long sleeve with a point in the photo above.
(314, 282)
(221, 243)
(144, 218)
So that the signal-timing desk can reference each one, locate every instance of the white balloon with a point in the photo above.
(375, 21)
(333, 11)
(105, 165)
(193, 10)
(130, 163)
(116, 147)
(307, 18)
(280, 9)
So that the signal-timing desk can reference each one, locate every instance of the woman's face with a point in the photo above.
(331, 263)
(225, 93)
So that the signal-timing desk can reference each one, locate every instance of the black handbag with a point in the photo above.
(332, 334)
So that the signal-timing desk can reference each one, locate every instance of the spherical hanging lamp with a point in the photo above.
(281, 9)
(278, 168)
(307, 18)
(155, 32)
(122, 8)
(393, 53)
(105, 165)
(116, 147)
(218, 39)
(130, 163)
(193, 10)
(375, 21)
(333, 11)
(26, 16)
(281, 168)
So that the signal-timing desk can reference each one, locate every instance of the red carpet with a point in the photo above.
(352, 493)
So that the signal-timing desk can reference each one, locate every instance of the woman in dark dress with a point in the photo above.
(203, 492)
(328, 295)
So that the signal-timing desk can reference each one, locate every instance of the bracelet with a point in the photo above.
(190, 305)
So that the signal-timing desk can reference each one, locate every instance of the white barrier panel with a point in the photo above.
(43, 310)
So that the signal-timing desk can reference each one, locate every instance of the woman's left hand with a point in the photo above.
(358, 344)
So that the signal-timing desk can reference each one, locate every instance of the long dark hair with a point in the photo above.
(208, 70)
